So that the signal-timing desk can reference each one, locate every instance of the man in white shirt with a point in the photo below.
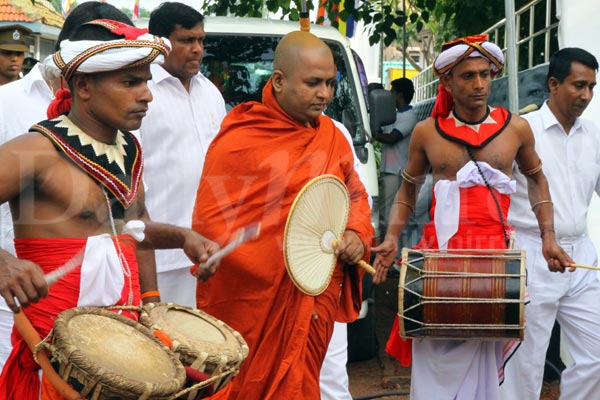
(23, 103)
(181, 122)
(333, 381)
(569, 147)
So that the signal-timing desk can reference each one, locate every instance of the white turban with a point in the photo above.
(472, 46)
(91, 56)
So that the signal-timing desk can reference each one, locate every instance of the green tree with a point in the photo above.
(127, 11)
(57, 4)
(144, 12)
(384, 19)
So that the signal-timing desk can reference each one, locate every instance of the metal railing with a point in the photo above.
(536, 29)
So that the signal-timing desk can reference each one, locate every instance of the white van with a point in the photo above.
(238, 59)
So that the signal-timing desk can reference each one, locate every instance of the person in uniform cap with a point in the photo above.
(12, 51)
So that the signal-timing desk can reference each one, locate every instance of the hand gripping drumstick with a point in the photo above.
(244, 234)
(584, 266)
(365, 265)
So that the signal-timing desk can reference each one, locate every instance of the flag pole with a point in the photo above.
(511, 66)
(304, 17)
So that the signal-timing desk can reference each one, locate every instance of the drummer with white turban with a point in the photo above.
(136, 48)
(470, 148)
(453, 53)
(75, 180)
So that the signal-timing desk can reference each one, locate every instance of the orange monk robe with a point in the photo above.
(253, 171)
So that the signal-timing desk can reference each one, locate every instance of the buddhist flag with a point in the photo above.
(345, 27)
(136, 10)
(66, 6)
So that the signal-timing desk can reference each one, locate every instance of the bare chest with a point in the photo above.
(66, 190)
(447, 157)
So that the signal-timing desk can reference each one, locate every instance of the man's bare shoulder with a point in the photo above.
(424, 130)
(29, 141)
(519, 123)
(29, 146)
(427, 123)
(425, 126)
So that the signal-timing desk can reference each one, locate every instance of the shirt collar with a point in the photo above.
(159, 74)
(34, 77)
(549, 119)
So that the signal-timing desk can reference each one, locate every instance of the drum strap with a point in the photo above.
(487, 184)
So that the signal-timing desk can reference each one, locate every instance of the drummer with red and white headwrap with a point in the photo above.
(75, 180)
(470, 148)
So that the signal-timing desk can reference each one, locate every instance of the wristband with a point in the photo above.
(150, 293)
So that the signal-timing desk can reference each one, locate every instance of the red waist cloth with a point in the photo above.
(479, 227)
(19, 379)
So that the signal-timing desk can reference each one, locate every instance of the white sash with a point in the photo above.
(102, 274)
(447, 196)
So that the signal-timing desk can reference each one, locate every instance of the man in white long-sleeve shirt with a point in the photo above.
(569, 147)
(181, 122)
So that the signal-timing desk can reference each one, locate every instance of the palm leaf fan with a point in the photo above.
(317, 220)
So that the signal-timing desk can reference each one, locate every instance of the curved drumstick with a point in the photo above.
(365, 265)
(32, 338)
(585, 266)
(244, 234)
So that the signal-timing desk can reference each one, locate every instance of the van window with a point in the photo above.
(362, 75)
(241, 65)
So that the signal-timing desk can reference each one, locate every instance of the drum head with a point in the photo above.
(317, 219)
(194, 332)
(116, 350)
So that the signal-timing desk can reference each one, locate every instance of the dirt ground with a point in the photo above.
(382, 377)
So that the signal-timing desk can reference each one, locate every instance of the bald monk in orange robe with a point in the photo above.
(254, 169)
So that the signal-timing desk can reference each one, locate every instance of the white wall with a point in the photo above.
(578, 27)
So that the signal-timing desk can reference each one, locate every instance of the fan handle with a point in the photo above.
(365, 265)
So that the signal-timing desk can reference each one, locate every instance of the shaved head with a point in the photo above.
(304, 76)
(294, 46)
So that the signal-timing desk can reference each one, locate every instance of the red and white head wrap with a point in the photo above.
(453, 53)
(136, 48)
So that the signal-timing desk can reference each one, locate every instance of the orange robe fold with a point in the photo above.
(253, 171)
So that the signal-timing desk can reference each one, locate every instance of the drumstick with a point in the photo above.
(244, 234)
(32, 338)
(67, 267)
(584, 266)
(365, 265)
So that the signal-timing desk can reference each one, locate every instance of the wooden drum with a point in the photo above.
(106, 356)
(201, 341)
(462, 294)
